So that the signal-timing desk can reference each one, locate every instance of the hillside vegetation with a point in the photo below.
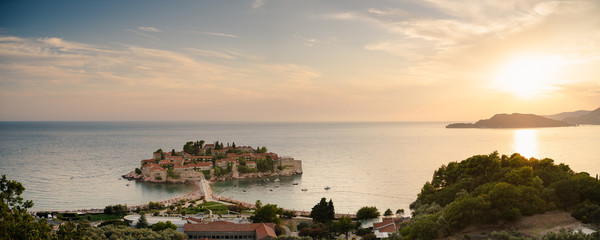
(499, 189)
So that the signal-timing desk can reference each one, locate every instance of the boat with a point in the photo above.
(304, 189)
(276, 180)
(327, 188)
(127, 184)
(271, 190)
(244, 190)
(295, 183)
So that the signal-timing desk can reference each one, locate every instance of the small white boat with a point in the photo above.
(276, 180)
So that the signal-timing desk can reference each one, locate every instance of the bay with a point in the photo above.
(77, 165)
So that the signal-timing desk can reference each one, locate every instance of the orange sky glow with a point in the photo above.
(269, 60)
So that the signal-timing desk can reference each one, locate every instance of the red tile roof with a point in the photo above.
(388, 225)
(262, 230)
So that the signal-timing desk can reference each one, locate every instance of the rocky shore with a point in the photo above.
(141, 178)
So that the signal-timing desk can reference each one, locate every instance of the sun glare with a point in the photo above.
(528, 77)
(525, 142)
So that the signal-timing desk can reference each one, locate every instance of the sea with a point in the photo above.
(78, 165)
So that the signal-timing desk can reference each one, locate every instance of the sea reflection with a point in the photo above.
(525, 142)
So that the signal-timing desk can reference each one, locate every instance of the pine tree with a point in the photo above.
(142, 222)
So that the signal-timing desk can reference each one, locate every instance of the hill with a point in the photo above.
(563, 115)
(592, 117)
(515, 120)
(499, 190)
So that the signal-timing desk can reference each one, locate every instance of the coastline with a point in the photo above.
(202, 189)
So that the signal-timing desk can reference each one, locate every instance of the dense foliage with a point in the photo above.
(267, 213)
(367, 213)
(193, 148)
(15, 222)
(116, 209)
(323, 212)
(493, 188)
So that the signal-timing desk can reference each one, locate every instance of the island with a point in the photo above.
(515, 120)
(214, 162)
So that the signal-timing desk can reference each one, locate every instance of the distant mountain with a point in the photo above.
(592, 117)
(564, 115)
(515, 120)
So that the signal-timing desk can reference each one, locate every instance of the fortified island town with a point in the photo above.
(214, 162)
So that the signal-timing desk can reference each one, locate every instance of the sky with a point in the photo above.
(284, 60)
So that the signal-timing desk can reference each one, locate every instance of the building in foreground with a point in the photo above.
(388, 226)
(228, 230)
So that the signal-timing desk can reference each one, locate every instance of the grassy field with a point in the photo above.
(217, 208)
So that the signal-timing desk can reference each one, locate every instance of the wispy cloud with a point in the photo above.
(159, 78)
(143, 35)
(149, 29)
(309, 41)
(258, 3)
(219, 34)
(209, 53)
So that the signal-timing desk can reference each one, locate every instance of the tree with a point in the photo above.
(116, 209)
(323, 212)
(266, 214)
(258, 204)
(142, 222)
(344, 225)
(367, 213)
(15, 222)
(302, 225)
(388, 212)
(159, 226)
(400, 211)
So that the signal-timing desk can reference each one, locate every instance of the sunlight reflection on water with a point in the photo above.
(525, 142)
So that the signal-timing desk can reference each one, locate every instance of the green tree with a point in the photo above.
(344, 225)
(159, 226)
(400, 211)
(258, 204)
(323, 212)
(367, 213)
(266, 214)
(388, 212)
(15, 222)
(142, 222)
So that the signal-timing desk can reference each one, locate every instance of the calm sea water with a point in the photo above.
(76, 165)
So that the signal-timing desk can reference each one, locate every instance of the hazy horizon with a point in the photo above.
(296, 61)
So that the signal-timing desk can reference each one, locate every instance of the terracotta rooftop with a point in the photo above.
(262, 230)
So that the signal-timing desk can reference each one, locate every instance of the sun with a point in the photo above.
(528, 77)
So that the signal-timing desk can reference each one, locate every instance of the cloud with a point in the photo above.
(136, 78)
(143, 35)
(219, 34)
(258, 3)
(149, 29)
(209, 53)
